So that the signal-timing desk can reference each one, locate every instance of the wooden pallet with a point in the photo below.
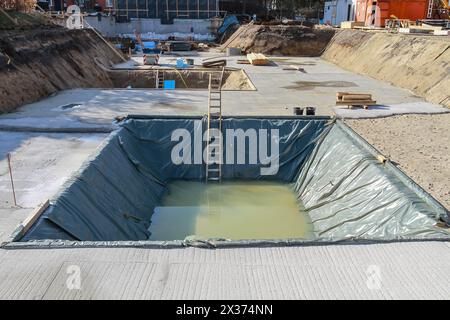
(354, 99)
(350, 104)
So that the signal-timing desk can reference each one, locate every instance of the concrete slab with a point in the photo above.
(379, 111)
(277, 92)
(41, 163)
(384, 271)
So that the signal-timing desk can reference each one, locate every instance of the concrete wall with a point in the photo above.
(109, 27)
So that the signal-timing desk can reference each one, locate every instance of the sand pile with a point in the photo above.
(281, 39)
(237, 80)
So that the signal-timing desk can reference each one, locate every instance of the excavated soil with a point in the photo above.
(418, 63)
(37, 62)
(281, 40)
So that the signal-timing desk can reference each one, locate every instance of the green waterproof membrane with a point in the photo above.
(343, 190)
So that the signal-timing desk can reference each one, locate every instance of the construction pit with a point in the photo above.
(346, 191)
(182, 79)
(100, 152)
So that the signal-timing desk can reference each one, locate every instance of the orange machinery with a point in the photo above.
(375, 12)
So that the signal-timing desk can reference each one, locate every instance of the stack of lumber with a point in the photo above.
(354, 99)
(351, 24)
(257, 59)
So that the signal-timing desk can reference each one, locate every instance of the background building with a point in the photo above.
(166, 10)
(337, 11)
(375, 12)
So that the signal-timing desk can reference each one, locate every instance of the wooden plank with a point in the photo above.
(351, 24)
(356, 103)
(340, 94)
(356, 98)
(257, 59)
(347, 96)
(31, 219)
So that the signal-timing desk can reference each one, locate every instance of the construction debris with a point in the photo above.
(214, 63)
(393, 24)
(179, 46)
(151, 59)
(416, 29)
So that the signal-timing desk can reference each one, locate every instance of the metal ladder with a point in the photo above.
(159, 79)
(213, 167)
(430, 9)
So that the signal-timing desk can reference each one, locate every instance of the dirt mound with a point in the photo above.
(418, 63)
(281, 39)
(23, 20)
(37, 63)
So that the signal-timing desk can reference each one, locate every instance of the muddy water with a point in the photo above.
(232, 210)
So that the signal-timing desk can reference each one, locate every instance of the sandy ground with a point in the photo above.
(418, 143)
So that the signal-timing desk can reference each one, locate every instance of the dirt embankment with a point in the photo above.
(36, 63)
(418, 63)
(281, 39)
